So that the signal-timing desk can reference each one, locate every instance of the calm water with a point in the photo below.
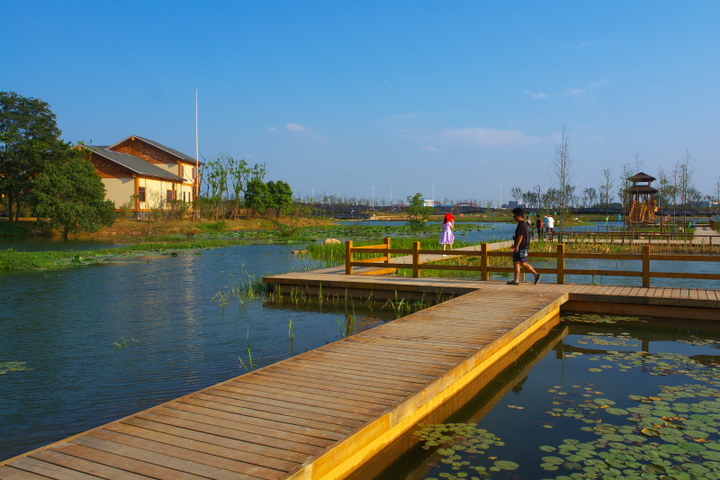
(84, 346)
(598, 402)
(88, 345)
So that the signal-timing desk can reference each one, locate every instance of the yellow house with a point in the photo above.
(144, 174)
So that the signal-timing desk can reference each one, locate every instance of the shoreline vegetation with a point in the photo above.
(144, 238)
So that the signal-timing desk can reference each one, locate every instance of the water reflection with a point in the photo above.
(105, 341)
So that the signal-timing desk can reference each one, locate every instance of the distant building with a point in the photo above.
(144, 174)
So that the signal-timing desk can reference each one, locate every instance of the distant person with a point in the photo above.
(448, 237)
(521, 244)
(550, 225)
(539, 225)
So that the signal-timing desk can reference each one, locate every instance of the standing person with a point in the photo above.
(521, 243)
(448, 237)
(550, 225)
(539, 225)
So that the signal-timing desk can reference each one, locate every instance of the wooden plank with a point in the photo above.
(233, 459)
(256, 454)
(31, 469)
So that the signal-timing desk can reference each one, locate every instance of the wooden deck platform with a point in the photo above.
(324, 413)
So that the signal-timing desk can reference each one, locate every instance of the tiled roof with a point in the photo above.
(155, 144)
(134, 164)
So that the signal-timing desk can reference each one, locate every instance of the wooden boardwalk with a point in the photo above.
(324, 413)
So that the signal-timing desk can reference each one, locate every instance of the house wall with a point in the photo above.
(120, 191)
(156, 195)
(164, 160)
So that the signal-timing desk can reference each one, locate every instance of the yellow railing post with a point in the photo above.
(348, 257)
(646, 266)
(484, 272)
(561, 263)
(416, 259)
(387, 245)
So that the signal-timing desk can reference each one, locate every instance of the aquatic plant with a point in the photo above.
(462, 447)
(6, 367)
(670, 431)
(123, 343)
(251, 363)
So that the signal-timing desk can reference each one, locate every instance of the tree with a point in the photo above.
(216, 180)
(605, 192)
(256, 195)
(281, 196)
(69, 196)
(517, 194)
(625, 184)
(239, 173)
(29, 140)
(590, 196)
(562, 167)
(418, 212)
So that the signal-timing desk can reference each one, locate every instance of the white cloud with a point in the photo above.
(430, 148)
(487, 137)
(588, 91)
(299, 131)
(537, 96)
(294, 127)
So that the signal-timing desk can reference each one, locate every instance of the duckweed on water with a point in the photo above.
(671, 432)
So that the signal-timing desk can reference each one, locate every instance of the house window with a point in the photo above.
(182, 171)
(141, 194)
(170, 195)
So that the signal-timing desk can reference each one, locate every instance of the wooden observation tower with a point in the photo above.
(642, 199)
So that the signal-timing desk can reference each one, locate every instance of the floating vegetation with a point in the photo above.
(599, 318)
(123, 343)
(616, 423)
(464, 447)
(6, 367)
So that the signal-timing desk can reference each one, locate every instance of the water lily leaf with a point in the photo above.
(692, 446)
(604, 401)
(673, 449)
(506, 465)
(616, 411)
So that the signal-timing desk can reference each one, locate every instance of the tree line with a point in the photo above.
(675, 189)
(235, 188)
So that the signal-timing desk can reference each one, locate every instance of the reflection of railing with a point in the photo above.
(632, 238)
(419, 260)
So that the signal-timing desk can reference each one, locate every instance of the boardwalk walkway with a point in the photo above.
(323, 413)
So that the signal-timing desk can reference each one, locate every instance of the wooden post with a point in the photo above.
(484, 272)
(416, 260)
(387, 245)
(348, 257)
(561, 263)
(646, 266)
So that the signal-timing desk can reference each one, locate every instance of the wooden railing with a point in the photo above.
(413, 259)
(632, 238)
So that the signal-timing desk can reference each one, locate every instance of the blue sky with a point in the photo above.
(465, 99)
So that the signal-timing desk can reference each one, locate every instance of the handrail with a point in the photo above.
(635, 237)
(413, 260)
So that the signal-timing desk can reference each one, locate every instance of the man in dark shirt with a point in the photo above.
(521, 242)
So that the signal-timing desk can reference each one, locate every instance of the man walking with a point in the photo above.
(521, 242)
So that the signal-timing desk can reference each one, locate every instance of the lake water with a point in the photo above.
(600, 401)
(81, 347)
(84, 346)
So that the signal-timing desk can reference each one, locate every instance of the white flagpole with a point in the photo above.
(197, 150)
